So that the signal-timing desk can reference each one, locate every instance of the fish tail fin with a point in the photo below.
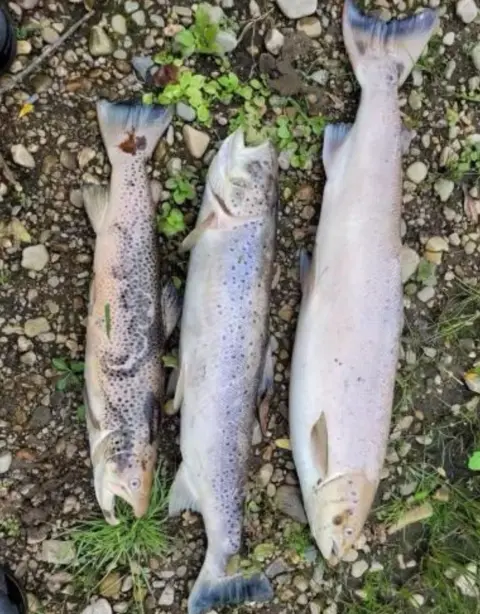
(212, 591)
(401, 41)
(131, 129)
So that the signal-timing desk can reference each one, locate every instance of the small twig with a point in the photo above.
(45, 54)
(251, 23)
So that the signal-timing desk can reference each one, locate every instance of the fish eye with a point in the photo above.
(348, 531)
(134, 483)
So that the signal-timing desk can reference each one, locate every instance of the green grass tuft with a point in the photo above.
(127, 548)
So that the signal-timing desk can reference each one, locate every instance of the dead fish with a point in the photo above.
(347, 339)
(225, 361)
(130, 317)
(6, 604)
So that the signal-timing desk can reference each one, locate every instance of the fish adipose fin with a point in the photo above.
(171, 308)
(182, 496)
(333, 138)
(131, 129)
(401, 41)
(211, 591)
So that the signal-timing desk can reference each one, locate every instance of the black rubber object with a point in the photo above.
(8, 41)
(15, 591)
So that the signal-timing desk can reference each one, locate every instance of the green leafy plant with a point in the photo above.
(101, 548)
(474, 461)
(200, 37)
(182, 186)
(170, 222)
(71, 373)
(468, 163)
(193, 89)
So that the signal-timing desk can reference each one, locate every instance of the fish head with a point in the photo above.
(243, 180)
(129, 479)
(337, 510)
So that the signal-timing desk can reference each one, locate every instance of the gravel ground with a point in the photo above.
(46, 248)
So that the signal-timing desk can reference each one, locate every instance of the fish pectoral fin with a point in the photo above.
(334, 137)
(193, 237)
(306, 272)
(95, 199)
(178, 398)
(265, 391)
(319, 445)
(182, 496)
(171, 308)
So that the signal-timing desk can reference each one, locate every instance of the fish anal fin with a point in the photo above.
(334, 137)
(319, 445)
(182, 496)
(96, 199)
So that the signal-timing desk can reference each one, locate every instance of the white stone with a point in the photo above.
(254, 9)
(119, 24)
(167, 597)
(36, 326)
(467, 10)
(85, 155)
(426, 294)
(226, 40)
(437, 244)
(99, 43)
(417, 172)
(5, 462)
(359, 568)
(409, 261)
(295, 9)
(274, 41)
(22, 157)
(310, 26)
(444, 188)
(476, 56)
(449, 39)
(99, 607)
(196, 141)
(139, 18)
(35, 257)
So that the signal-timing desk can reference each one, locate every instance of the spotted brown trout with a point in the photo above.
(347, 340)
(130, 317)
(225, 364)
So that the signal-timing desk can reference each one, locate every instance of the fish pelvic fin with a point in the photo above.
(131, 129)
(95, 199)
(334, 137)
(212, 591)
(182, 495)
(371, 41)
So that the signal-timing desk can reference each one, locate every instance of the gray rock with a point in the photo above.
(295, 9)
(265, 474)
(310, 26)
(274, 41)
(168, 596)
(359, 568)
(35, 257)
(57, 552)
(196, 141)
(254, 9)
(99, 607)
(99, 42)
(467, 10)
(49, 35)
(5, 461)
(409, 260)
(40, 418)
(426, 294)
(415, 100)
(288, 501)
(185, 112)
(226, 40)
(417, 172)
(139, 18)
(85, 156)
(36, 326)
(22, 156)
(276, 568)
(320, 76)
(444, 188)
(68, 160)
(476, 56)
(131, 6)
(119, 24)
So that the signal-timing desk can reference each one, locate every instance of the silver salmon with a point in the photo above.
(347, 339)
(225, 365)
(129, 317)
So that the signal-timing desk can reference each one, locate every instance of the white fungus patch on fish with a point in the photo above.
(130, 317)
(225, 367)
(346, 346)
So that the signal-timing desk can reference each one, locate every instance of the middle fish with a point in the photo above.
(225, 359)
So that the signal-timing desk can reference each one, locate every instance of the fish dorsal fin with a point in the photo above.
(319, 445)
(334, 137)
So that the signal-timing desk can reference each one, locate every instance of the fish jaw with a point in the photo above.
(337, 510)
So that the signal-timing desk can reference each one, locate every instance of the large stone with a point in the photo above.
(35, 257)
(99, 43)
(58, 552)
(417, 172)
(196, 141)
(467, 10)
(289, 502)
(22, 157)
(36, 326)
(295, 9)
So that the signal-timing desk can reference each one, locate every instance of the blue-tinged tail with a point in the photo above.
(400, 41)
(131, 129)
(211, 591)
